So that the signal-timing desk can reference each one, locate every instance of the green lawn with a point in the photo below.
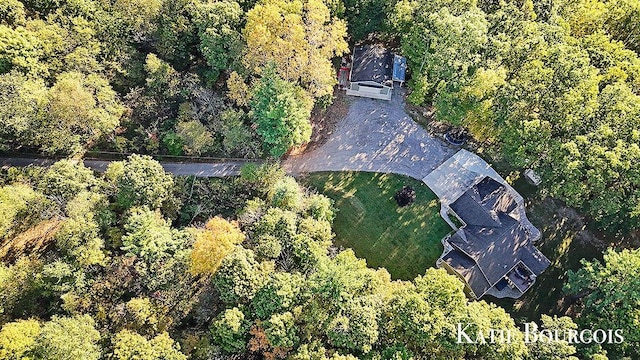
(405, 241)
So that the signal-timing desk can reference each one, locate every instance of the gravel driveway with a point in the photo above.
(375, 136)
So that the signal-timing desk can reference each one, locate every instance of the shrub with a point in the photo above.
(405, 196)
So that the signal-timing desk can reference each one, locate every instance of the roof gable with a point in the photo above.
(492, 238)
(473, 213)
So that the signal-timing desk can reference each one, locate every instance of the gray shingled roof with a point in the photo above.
(496, 250)
(488, 186)
(468, 269)
(372, 63)
(492, 239)
(534, 260)
(472, 213)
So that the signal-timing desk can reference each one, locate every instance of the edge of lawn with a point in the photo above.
(404, 240)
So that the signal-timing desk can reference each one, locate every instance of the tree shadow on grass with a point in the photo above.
(404, 240)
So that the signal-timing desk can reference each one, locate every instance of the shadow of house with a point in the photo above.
(373, 72)
(491, 249)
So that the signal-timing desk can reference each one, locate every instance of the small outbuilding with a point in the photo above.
(399, 69)
(532, 177)
(373, 72)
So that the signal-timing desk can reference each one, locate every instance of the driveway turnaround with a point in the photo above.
(375, 136)
(458, 174)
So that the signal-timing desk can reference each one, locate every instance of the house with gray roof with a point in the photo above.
(491, 248)
(373, 72)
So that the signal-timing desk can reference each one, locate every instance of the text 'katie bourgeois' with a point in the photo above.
(466, 335)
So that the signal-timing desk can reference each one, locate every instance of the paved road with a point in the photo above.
(181, 169)
(376, 136)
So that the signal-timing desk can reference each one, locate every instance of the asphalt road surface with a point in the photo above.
(375, 136)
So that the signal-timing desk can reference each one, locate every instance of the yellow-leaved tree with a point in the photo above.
(212, 244)
(299, 37)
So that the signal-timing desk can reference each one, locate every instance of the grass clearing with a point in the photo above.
(405, 241)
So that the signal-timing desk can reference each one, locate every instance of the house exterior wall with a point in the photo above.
(467, 289)
(370, 90)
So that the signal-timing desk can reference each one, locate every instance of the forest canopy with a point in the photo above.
(135, 263)
(554, 85)
(118, 276)
(149, 77)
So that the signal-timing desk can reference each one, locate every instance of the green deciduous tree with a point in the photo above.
(20, 50)
(584, 17)
(76, 111)
(129, 345)
(139, 315)
(606, 290)
(23, 102)
(276, 223)
(81, 109)
(280, 294)
(306, 252)
(20, 207)
(20, 288)
(69, 338)
(162, 79)
(483, 317)
(320, 208)
(12, 12)
(149, 236)
(274, 231)
(594, 169)
(221, 43)
(18, 339)
(616, 63)
(299, 37)
(356, 327)
(281, 110)
(364, 17)
(620, 20)
(177, 33)
(240, 276)
(286, 194)
(418, 323)
(261, 178)
(197, 139)
(442, 48)
(238, 139)
(65, 179)
(281, 331)
(140, 181)
(318, 230)
(552, 349)
(79, 235)
(230, 331)
(50, 47)
(140, 16)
